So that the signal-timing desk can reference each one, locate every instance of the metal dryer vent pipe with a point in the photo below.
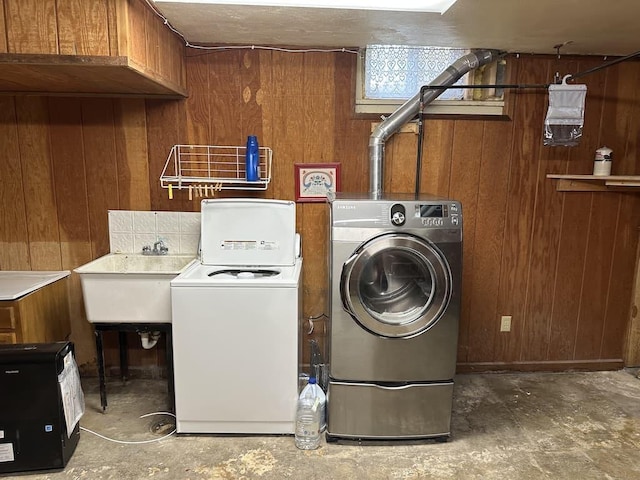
(407, 111)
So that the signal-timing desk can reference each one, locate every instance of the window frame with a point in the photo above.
(368, 106)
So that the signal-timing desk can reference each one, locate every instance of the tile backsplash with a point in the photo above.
(130, 230)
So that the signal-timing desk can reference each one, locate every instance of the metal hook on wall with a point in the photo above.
(557, 78)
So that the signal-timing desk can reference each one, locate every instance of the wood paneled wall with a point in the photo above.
(562, 264)
(67, 161)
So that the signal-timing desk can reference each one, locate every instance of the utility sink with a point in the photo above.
(130, 288)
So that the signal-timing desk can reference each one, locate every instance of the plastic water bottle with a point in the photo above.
(252, 159)
(313, 389)
(308, 418)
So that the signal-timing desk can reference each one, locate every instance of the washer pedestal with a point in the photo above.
(419, 410)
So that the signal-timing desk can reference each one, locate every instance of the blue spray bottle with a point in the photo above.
(252, 159)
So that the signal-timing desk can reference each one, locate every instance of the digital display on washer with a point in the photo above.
(431, 211)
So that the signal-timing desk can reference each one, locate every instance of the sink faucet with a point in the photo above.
(159, 248)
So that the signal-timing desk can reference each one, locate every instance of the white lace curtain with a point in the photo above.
(398, 72)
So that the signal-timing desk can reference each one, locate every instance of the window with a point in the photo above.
(388, 75)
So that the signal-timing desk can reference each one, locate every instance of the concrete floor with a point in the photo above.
(505, 426)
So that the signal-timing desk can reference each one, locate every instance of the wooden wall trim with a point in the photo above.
(552, 366)
(632, 341)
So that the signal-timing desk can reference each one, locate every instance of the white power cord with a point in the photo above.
(129, 442)
(252, 47)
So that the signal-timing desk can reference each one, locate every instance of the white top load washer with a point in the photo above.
(235, 321)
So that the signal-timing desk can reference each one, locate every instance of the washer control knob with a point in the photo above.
(398, 216)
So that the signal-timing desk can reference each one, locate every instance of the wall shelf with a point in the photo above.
(82, 75)
(212, 167)
(596, 183)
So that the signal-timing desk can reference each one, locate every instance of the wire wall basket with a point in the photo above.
(215, 167)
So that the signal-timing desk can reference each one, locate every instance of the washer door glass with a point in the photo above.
(396, 285)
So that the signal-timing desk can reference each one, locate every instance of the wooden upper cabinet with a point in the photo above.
(83, 27)
(88, 47)
(31, 26)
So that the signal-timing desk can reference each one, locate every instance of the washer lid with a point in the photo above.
(234, 273)
(245, 231)
(199, 275)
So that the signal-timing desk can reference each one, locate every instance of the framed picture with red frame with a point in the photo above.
(315, 180)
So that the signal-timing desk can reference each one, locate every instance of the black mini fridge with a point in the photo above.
(33, 427)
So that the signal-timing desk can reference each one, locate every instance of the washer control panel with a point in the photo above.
(397, 213)
(438, 214)
(446, 214)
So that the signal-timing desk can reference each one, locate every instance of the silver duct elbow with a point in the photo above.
(410, 108)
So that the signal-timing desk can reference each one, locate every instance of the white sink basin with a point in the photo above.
(130, 288)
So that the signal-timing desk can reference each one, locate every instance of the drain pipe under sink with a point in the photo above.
(407, 111)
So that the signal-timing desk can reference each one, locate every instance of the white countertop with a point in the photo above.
(16, 284)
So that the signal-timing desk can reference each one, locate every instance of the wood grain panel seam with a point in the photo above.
(505, 225)
(121, 24)
(610, 279)
(53, 181)
(469, 294)
(635, 99)
(536, 206)
(22, 177)
(84, 174)
(529, 256)
(57, 17)
(114, 113)
(555, 278)
(6, 29)
(602, 106)
(584, 270)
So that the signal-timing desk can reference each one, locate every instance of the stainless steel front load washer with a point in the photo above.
(395, 278)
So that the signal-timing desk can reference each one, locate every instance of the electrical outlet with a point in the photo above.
(505, 323)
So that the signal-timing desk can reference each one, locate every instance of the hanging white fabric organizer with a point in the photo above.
(565, 115)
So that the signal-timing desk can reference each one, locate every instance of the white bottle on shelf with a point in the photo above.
(309, 416)
(602, 162)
